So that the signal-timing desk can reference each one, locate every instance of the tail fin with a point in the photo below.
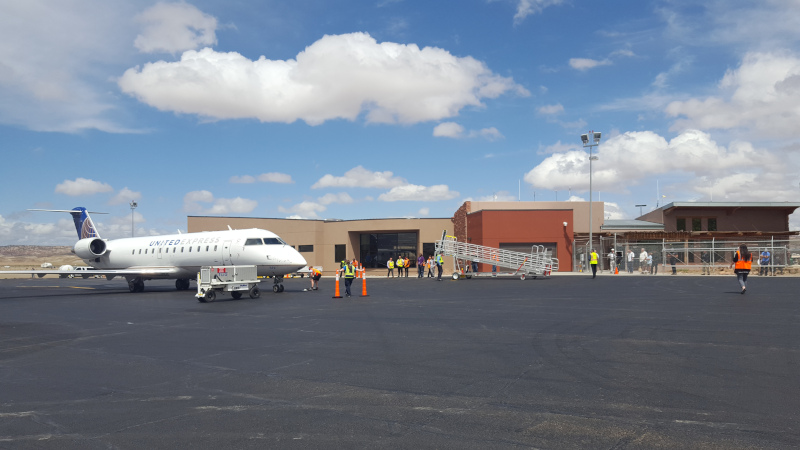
(83, 223)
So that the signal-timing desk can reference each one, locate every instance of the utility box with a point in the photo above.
(236, 280)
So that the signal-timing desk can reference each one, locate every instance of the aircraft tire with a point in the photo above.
(276, 288)
(281, 290)
(131, 286)
(255, 292)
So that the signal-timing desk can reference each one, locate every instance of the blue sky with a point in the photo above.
(388, 108)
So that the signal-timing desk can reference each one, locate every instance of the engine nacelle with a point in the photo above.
(89, 248)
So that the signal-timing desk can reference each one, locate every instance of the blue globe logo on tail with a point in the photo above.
(83, 223)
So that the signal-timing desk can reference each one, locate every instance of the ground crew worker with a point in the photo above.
(439, 266)
(315, 275)
(593, 263)
(399, 264)
(349, 274)
(390, 266)
(407, 264)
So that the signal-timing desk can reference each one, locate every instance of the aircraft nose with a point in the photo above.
(297, 259)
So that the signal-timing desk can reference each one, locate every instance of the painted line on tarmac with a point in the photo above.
(69, 287)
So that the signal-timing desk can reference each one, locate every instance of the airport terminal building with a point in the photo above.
(562, 227)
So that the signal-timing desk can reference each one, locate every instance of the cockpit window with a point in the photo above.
(253, 241)
(274, 241)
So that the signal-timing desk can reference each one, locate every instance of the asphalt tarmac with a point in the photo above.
(567, 362)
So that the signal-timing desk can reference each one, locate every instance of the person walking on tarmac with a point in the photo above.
(390, 266)
(439, 266)
(349, 273)
(593, 263)
(407, 264)
(743, 261)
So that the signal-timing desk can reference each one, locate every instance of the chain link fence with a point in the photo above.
(770, 256)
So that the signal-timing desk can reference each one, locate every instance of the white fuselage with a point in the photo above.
(188, 252)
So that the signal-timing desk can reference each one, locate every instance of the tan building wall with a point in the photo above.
(325, 235)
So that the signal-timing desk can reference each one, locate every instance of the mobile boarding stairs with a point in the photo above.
(539, 262)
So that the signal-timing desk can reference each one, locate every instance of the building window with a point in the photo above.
(712, 224)
(428, 249)
(697, 224)
(339, 252)
(305, 248)
(681, 224)
(377, 248)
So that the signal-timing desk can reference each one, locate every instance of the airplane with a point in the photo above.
(177, 256)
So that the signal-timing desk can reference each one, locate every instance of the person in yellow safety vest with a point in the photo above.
(349, 273)
(593, 263)
(743, 261)
(399, 264)
(315, 275)
(439, 266)
(390, 266)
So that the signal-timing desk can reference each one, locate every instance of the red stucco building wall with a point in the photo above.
(492, 228)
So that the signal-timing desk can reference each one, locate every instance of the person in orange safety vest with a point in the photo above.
(742, 262)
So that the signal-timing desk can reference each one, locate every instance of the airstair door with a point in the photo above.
(226, 253)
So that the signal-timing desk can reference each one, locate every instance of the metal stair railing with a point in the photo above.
(538, 262)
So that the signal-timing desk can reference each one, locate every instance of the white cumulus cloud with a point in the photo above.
(413, 192)
(761, 95)
(193, 203)
(527, 7)
(271, 177)
(739, 172)
(125, 195)
(360, 177)
(174, 27)
(82, 186)
(583, 64)
(336, 77)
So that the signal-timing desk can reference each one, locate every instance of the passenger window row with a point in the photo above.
(174, 250)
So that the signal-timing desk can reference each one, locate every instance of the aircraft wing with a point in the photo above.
(165, 271)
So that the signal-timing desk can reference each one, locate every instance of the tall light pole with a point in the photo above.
(592, 139)
(133, 206)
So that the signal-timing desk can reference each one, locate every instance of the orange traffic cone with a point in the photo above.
(616, 271)
(364, 284)
(336, 294)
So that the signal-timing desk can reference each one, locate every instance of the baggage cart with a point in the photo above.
(235, 280)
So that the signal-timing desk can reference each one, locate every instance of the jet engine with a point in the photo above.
(89, 248)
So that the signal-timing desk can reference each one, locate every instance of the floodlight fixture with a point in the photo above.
(133, 206)
(585, 138)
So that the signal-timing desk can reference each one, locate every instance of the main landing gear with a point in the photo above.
(136, 285)
(182, 284)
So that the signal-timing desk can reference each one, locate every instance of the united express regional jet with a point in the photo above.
(178, 256)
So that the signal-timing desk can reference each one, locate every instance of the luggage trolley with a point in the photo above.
(233, 279)
(539, 262)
